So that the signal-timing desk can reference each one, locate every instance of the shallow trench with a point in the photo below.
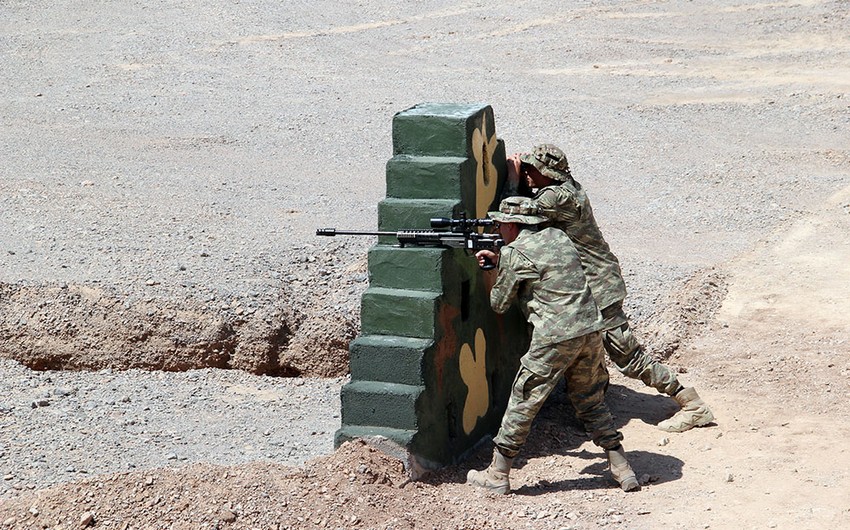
(78, 327)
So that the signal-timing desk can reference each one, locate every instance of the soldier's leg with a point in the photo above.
(587, 379)
(528, 394)
(628, 355)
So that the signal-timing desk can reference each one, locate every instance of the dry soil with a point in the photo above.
(165, 165)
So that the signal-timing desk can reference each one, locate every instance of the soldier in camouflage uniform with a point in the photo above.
(541, 270)
(563, 200)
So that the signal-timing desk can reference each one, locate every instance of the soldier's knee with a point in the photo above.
(621, 345)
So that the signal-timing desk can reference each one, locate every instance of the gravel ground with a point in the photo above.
(179, 155)
(64, 426)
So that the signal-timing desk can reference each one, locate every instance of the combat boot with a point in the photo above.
(621, 470)
(494, 478)
(694, 413)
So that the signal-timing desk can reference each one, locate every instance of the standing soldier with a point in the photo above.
(563, 201)
(541, 269)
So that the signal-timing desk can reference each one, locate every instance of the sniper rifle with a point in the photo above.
(452, 233)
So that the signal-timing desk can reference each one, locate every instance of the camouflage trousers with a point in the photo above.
(581, 362)
(628, 355)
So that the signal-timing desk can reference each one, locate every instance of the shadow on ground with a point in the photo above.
(556, 431)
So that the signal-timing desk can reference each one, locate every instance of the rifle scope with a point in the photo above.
(459, 225)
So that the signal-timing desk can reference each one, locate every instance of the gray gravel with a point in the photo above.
(61, 426)
(188, 150)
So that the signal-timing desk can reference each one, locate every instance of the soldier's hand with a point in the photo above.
(513, 164)
(484, 255)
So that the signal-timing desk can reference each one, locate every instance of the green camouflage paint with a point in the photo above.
(433, 367)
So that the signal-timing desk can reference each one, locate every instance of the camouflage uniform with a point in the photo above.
(568, 207)
(543, 272)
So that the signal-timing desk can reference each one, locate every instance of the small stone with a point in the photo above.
(86, 519)
(730, 477)
(33, 510)
(10, 521)
(664, 441)
(171, 456)
(149, 481)
(227, 516)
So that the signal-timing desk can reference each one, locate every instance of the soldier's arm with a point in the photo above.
(558, 204)
(514, 268)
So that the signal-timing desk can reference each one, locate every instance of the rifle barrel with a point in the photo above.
(335, 232)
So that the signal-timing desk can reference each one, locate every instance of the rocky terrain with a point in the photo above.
(173, 336)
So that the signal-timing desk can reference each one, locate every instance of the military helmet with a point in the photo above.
(518, 210)
(550, 161)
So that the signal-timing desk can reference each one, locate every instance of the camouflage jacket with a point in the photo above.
(542, 271)
(569, 208)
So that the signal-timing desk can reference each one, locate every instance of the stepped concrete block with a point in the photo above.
(380, 404)
(438, 129)
(416, 214)
(428, 177)
(399, 312)
(414, 268)
(389, 359)
(433, 367)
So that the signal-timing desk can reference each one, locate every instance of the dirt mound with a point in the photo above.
(356, 487)
(283, 333)
(686, 314)
(336, 491)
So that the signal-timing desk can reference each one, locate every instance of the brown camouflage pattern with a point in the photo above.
(542, 271)
(568, 206)
(549, 160)
(627, 354)
(518, 209)
(581, 362)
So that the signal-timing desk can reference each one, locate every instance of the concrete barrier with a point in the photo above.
(432, 368)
